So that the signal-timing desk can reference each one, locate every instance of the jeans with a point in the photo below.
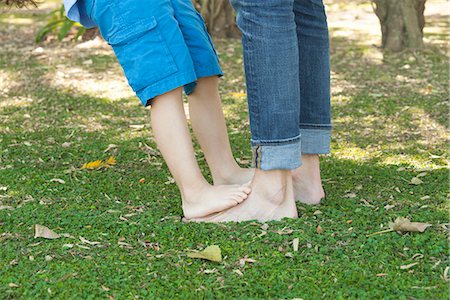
(287, 68)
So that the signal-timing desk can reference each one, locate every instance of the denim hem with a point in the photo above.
(277, 157)
(165, 85)
(316, 141)
(288, 141)
(316, 126)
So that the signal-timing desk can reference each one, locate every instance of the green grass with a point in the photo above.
(388, 129)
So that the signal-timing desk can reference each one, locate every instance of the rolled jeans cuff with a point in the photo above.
(277, 155)
(315, 141)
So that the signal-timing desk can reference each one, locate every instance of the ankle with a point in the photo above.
(225, 173)
(274, 186)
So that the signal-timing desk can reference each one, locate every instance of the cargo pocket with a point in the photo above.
(143, 53)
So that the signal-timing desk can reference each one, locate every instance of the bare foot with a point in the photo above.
(207, 199)
(237, 176)
(307, 182)
(272, 198)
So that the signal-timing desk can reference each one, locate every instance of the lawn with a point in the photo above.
(65, 104)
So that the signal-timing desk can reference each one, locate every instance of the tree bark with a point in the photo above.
(219, 17)
(402, 23)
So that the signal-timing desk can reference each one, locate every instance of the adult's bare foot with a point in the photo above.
(272, 198)
(236, 176)
(206, 199)
(307, 182)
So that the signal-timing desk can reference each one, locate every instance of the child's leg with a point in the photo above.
(172, 136)
(208, 122)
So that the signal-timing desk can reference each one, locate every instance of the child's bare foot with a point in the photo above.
(237, 176)
(206, 199)
(307, 182)
(272, 198)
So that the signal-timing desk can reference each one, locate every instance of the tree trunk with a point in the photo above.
(219, 17)
(402, 23)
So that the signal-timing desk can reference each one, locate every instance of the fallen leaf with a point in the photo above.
(285, 231)
(405, 225)
(48, 258)
(237, 94)
(93, 165)
(295, 244)
(13, 285)
(350, 195)
(85, 241)
(212, 253)
(405, 267)
(142, 180)
(238, 272)
(416, 181)
(319, 229)
(110, 147)
(66, 145)
(381, 274)
(289, 255)
(111, 161)
(57, 180)
(246, 259)
(137, 127)
(44, 232)
(2, 207)
(105, 288)
(388, 207)
(68, 246)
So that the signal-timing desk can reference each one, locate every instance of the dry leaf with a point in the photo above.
(350, 195)
(405, 267)
(85, 241)
(319, 229)
(295, 244)
(13, 285)
(57, 180)
(238, 272)
(381, 274)
(246, 259)
(44, 232)
(110, 147)
(416, 181)
(212, 253)
(405, 225)
(2, 207)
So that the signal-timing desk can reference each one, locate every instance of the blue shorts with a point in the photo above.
(160, 44)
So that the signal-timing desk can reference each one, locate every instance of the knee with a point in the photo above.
(206, 85)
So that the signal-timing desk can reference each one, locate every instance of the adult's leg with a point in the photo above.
(172, 136)
(271, 66)
(315, 115)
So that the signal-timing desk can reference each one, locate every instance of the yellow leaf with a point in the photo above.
(212, 253)
(237, 95)
(111, 161)
(93, 165)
